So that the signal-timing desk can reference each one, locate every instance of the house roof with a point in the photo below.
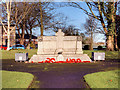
(26, 36)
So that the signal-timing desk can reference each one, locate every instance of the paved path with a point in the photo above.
(59, 75)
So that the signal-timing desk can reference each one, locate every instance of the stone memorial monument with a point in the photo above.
(60, 48)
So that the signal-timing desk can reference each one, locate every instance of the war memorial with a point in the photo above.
(60, 48)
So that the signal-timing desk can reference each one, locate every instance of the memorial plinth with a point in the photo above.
(60, 48)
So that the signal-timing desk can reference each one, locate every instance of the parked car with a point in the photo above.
(4, 47)
(17, 46)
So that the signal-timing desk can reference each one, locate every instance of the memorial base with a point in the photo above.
(60, 57)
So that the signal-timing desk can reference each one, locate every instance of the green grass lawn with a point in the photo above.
(11, 54)
(108, 54)
(14, 79)
(107, 79)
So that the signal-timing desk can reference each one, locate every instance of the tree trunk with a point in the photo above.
(8, 41)
(30, 35)
(28, 43)
(110, 43)
(8, 32)
(115, 42)
(115, 37)
(23, 33)
(114, 28)
(28, 46)
(22, 41)
(41, 19)
(23, 28)
(91, 43)
(22, 38)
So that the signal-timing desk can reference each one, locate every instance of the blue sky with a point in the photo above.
(77, 18)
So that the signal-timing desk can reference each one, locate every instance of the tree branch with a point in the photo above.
(92, 11)
(82, 9)
(3, 26)
(4, 6)
(101, 18)
(23, 17)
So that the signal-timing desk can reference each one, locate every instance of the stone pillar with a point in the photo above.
(40, 45)
(79, 45)
(59, 43)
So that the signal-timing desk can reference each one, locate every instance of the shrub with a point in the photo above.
(100, 48)
(86, 47)
(32, 45)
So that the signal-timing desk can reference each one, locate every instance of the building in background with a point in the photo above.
(14, 38)
(26, 39)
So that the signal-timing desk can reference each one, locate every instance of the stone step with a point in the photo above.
(60, 57)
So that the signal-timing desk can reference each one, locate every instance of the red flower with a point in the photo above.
(72, 60)
(40, 62)
(86, 61)
(68, 60)
(48, 59)
(78, 60)
(52, 60)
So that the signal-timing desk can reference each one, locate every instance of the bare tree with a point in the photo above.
(83, 38)
(71, 30)
(118, 29)
(33, 18)
(106, 12)
(91, 28)
(7, 6)
(45, 16)
(41, 18)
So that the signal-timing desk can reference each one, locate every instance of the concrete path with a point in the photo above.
(59, 75)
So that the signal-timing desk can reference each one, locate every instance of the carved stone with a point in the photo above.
(40, 39)
(79, 38)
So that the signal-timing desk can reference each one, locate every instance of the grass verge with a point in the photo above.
(12, 79)
(11, 54)
(107, 79)
(108, 54)
(35, 83)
